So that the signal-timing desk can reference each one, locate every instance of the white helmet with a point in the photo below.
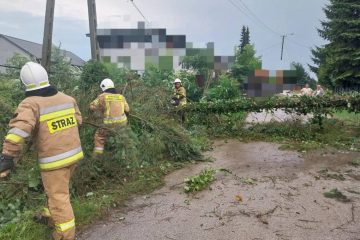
(34, 76)
(177, 81)
(106, 84)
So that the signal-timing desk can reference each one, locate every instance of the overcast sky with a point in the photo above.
(202, 21)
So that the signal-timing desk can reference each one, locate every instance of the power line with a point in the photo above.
(139, 11)
(299, 44)
(258, 22)
(257, 18)
(269, 47)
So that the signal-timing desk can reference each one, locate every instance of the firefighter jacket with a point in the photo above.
(180, 93)
(112, 108)
(53, 122)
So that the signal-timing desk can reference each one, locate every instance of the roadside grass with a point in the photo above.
(92, 207)
(348, 118)
(306, 137)
(341, 132)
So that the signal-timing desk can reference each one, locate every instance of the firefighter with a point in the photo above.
(179, 98)
(179, 95)
(52, 119)
(113, 110)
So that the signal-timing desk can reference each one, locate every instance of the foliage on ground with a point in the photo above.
(136, 157)
(336, 194)
(356, 162)
(200, 181)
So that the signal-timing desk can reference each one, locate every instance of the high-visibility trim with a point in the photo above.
(61, 156)
(97, 151)
(57, 114)
(107, 112)
(62, 123)
(63, 227)
(63, 162)
(46, 212)
(33, 85)
(113, 98)
(19, 132)
(14, 138)
(56, 108)
(112, 120)
(30, 86)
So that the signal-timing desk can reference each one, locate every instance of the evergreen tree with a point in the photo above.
(302, 76)
(247, 35)
(245, 38)
(337, 64)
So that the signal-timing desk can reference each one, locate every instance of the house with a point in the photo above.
(139, 47)
(11, 45)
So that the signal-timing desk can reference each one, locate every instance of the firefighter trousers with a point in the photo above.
(100, 140)
(56, 185)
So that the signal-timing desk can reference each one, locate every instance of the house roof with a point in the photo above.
(35, 50)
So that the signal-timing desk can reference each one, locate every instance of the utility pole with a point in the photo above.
(48, 30)
(283, 42)
(282, 46)
(93, 26)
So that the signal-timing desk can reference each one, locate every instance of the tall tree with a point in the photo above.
(337, 64)
(247, 35)
(302, 75)
(245, 62)
(245, 38)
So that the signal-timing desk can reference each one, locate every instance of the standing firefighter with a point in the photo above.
(113, 109)
(179, 96)
(52, 118)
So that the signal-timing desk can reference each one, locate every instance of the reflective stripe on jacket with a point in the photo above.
(53, 121)
(112, 108)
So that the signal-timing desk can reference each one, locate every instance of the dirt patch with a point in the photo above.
(286, 201)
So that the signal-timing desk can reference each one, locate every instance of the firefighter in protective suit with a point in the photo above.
(179, 95)
(52, 119)
(179, 98)
(113, 110)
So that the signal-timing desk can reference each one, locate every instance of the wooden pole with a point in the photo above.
(93, 26)
(48, 30)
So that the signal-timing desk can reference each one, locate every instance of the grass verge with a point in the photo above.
(92, 207)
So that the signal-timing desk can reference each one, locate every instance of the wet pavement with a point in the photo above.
(286, 201)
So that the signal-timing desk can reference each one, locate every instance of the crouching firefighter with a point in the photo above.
(52, 119)
(113, 110)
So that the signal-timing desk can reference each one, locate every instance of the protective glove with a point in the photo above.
(6, 164)
(175, 101)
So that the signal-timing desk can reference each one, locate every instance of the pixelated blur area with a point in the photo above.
(138, 48)
(265, 83)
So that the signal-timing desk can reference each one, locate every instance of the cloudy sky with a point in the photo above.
(218, 21)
